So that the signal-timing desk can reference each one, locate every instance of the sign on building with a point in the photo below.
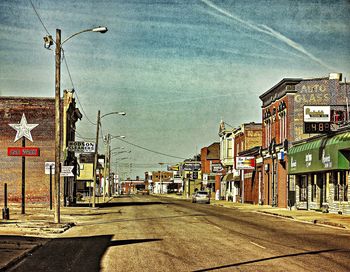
(245, 163)
(23, 151)
(216, 167)
(82, 147)
(317, 114)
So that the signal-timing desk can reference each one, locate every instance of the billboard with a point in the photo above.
(245, 163)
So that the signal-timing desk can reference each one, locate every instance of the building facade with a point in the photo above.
(40, 111)
(283, 123)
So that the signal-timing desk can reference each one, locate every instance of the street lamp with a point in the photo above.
(99, 117)
(58, 113)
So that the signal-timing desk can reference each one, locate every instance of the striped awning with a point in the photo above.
(322, 154)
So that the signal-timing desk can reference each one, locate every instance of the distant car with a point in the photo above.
(201, 197)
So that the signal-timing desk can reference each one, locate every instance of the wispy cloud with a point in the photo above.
(268, 31)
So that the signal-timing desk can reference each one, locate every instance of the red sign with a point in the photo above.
(23, 151)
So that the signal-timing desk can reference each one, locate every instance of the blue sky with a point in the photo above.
(176, 67)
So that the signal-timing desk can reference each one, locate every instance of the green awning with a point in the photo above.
(323, 154)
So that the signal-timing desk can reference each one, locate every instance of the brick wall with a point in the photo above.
(37, 111)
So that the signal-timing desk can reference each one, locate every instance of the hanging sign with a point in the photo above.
(23, 151)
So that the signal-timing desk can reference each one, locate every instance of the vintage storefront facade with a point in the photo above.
(319, 171)
(282, 116)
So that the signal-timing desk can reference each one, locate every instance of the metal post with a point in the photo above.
(105, 167)
(5, 210)
(23, 178)
(50, 186)
(96, 160)
(57, 127)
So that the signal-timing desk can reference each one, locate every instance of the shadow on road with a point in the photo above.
(73, 254)
(122, 204)
(268, 259)
(139, 219)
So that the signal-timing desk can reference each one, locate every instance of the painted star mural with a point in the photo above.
(23, 129)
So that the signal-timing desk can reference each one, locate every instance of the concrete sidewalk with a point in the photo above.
(22, 234)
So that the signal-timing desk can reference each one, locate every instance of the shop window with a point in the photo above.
(303, 188)
(341, 187)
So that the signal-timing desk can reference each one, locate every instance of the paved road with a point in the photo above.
(147, 233)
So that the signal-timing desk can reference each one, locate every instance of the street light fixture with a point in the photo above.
(99, 117)
(58, 112)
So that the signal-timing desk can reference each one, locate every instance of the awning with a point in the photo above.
(323, 154)
(230, 177)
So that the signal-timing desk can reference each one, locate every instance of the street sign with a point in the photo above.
(82, 147)
(23, 151)
(67, 171)
(47, 168)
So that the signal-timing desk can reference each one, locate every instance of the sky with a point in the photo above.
(175, 67)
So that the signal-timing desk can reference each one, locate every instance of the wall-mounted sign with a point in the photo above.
(245, 163)
(23, 129)
(216, 167)
(173, 167)
(317, 127)
(317, 114)
(82, 147)
(23, 151)
(191, 166)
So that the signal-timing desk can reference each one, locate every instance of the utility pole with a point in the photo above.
(95, 161)
(105, 166)
(57, 182)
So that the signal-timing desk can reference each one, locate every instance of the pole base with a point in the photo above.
(6, 213)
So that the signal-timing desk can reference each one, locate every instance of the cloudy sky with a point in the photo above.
(175, 67)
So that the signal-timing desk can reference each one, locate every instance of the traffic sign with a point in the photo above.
(67, 171)
(47, 168)
(82, 147)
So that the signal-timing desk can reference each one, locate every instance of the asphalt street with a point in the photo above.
(148, 233)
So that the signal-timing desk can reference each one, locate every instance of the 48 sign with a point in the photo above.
(82, 147)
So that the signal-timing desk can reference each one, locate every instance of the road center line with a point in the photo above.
(217, 227)
(255, 244)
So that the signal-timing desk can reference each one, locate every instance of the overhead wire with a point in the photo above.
(37, 14)
(153, 151)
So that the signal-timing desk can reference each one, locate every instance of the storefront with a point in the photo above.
(318, 171)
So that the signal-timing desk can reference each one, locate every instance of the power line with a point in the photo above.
(156, 152)
(76, 93)
(41, 21)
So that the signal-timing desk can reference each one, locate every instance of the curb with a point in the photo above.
(18, 259)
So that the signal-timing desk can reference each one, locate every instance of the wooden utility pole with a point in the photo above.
(57, 183)
(96, 160)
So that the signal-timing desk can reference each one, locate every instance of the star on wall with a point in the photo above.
(23, 129)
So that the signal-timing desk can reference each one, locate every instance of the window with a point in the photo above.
(229, 148)
(341, 187)
(313, 192)
(303, 188)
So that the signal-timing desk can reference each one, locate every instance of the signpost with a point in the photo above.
(50, 170)
(23, 131)
(67, 171)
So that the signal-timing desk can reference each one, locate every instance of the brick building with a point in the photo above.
(40, 111)
(247, 143)
(283, 123)
(211, 165)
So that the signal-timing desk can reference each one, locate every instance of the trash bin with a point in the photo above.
(6, 213)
